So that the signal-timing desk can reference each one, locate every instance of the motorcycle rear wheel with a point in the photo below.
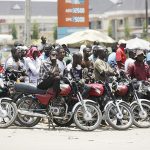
(11, 113)
(85, 124)
(119, 124)
(27, 103)
(139, 121)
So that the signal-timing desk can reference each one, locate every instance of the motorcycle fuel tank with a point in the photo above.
(122, 90)
(65, 89)
(96, 89)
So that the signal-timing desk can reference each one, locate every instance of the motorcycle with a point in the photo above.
(116, 112)
(62, 111)
(133, 92)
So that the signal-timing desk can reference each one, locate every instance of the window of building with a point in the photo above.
(95, 24)
(99, 24)
(139, 22)
(120, 22)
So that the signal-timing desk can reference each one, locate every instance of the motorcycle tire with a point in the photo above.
(25, 120)
(63, 123)
(10, 109)
(81, 118)
(113, 120)
(139, 120)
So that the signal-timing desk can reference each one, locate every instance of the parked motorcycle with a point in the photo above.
(116, 112)
(63, 110)
(8, 112)
(133, 92)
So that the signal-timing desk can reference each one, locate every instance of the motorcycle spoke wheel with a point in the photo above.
(139, 121)
(10, 110)
(117, 123)
(27, 104)
(88, 124)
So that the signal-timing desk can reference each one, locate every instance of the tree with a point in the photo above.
(14, 31)
(126, 29)
(144, 34)
(35, 30)
(55, 32)
(110, 30)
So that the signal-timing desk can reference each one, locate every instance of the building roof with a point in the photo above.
(37, 8)
(50, 8)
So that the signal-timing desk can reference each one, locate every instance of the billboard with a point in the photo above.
(73, 13)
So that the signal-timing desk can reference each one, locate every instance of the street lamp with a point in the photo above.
(27, 22)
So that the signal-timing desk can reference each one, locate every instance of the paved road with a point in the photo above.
(40, 138)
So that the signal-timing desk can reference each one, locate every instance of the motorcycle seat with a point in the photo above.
(28, 88)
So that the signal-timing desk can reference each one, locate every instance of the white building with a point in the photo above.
(103, 13)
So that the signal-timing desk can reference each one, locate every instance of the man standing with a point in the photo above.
(60, 59)
(120, 54)
(43, 44)
(139, 69)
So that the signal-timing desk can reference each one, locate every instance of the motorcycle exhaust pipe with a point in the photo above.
(24, 112)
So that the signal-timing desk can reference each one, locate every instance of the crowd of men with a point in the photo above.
(46, 64)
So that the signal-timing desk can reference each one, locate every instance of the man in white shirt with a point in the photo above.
(130, 60)
(61, 63)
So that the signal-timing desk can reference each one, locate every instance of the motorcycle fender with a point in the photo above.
(142, 100)
(5, 98)
(79, 103)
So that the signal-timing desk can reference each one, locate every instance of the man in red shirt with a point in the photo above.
(120, 54)
(139, 69)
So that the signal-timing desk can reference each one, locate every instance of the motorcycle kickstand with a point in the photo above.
(50, 121)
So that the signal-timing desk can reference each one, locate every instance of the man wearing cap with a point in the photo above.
(139, 69)
(120, 54)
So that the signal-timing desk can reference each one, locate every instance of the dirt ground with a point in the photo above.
(41, 138)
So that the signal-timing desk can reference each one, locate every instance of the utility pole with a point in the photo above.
(27, 40)
(146, 16)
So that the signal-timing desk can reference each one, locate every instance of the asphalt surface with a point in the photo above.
(42, 138)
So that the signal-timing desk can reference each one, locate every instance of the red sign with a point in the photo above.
(73, 13)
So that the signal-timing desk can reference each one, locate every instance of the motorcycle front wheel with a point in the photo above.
(141, 119)
(90, 120)
(8, 113)
(117, 121)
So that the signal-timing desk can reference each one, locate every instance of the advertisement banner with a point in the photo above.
(73, 13)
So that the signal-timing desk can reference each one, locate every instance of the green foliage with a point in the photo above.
(126, 29)
(55, 32)
(110, 30)
(35, 30)
(14, 31)
(144, 34)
